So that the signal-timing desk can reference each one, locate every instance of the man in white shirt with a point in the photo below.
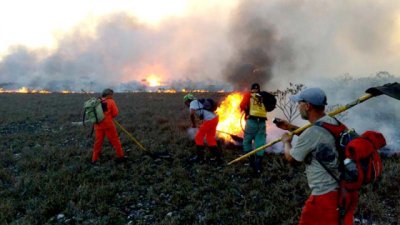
(207, 129)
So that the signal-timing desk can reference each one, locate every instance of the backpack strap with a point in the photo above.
(95, 115)
(202, 109)
(83, 117)
(91, 132)
(336, 131)
(328, 170)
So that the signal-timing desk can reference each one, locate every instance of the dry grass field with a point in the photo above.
(46, 176)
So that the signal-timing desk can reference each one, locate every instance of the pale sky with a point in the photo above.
(61, 44)
(37, 23)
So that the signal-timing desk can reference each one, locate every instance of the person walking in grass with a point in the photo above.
(106, 128)
(207, 129)
(316, 147)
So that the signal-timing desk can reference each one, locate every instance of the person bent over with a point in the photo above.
(106, 128)
(207, 129)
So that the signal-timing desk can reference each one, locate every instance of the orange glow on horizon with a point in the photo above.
(153, 80)
(25, 90)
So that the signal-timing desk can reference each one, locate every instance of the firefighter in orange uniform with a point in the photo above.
(107, 128)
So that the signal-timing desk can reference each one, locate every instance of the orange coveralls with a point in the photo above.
(107, 128)
(208, 129)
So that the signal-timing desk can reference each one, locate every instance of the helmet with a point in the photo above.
(188, 97)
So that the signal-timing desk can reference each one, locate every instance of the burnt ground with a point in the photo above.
(46, 176)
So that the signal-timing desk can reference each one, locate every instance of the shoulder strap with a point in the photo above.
(83, 117)
(328, 170)
(202, 109)
(91, 132)
(202, 103)
(335, 131)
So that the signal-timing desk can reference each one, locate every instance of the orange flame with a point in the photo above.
(67, 92)
(168, 91)
(198, 91)
(25, 90)
(153, 80)
(231, 120)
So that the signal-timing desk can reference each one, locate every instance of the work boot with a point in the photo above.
(217, 155)
(199, 157)
(252, 159)
(258, 164)
(121, 159)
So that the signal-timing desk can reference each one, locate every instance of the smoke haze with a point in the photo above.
(270, 42)
(119, 51)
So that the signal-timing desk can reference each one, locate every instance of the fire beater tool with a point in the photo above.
(233, 136)
(164, 155)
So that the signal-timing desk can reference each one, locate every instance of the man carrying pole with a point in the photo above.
(389, 89)
(316, 146)
(311, 104)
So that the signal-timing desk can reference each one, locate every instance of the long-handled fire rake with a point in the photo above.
(390, 89)
(233, 136)
(130, 136)
(164, 155)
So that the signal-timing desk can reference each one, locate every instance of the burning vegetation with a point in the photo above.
(231, 120)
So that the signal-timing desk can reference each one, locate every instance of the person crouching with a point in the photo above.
(206, 130)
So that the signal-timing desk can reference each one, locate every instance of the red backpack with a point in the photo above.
(359, 160)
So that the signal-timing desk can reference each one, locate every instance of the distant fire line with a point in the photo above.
(25, 90)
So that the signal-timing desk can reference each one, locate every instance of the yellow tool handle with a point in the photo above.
(130, 136)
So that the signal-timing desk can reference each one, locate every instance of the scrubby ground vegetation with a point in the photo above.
(46, 176)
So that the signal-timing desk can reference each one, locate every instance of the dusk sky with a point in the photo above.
(63, 44)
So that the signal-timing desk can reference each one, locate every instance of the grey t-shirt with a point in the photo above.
(315, 142)
(196, 105)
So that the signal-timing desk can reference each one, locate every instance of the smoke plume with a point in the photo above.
(298, 41)
(269, 42)
(257, 47)
(119, 52)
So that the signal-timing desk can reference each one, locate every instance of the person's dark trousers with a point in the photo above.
(199, 157)
(216, 154)
(258, 164)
